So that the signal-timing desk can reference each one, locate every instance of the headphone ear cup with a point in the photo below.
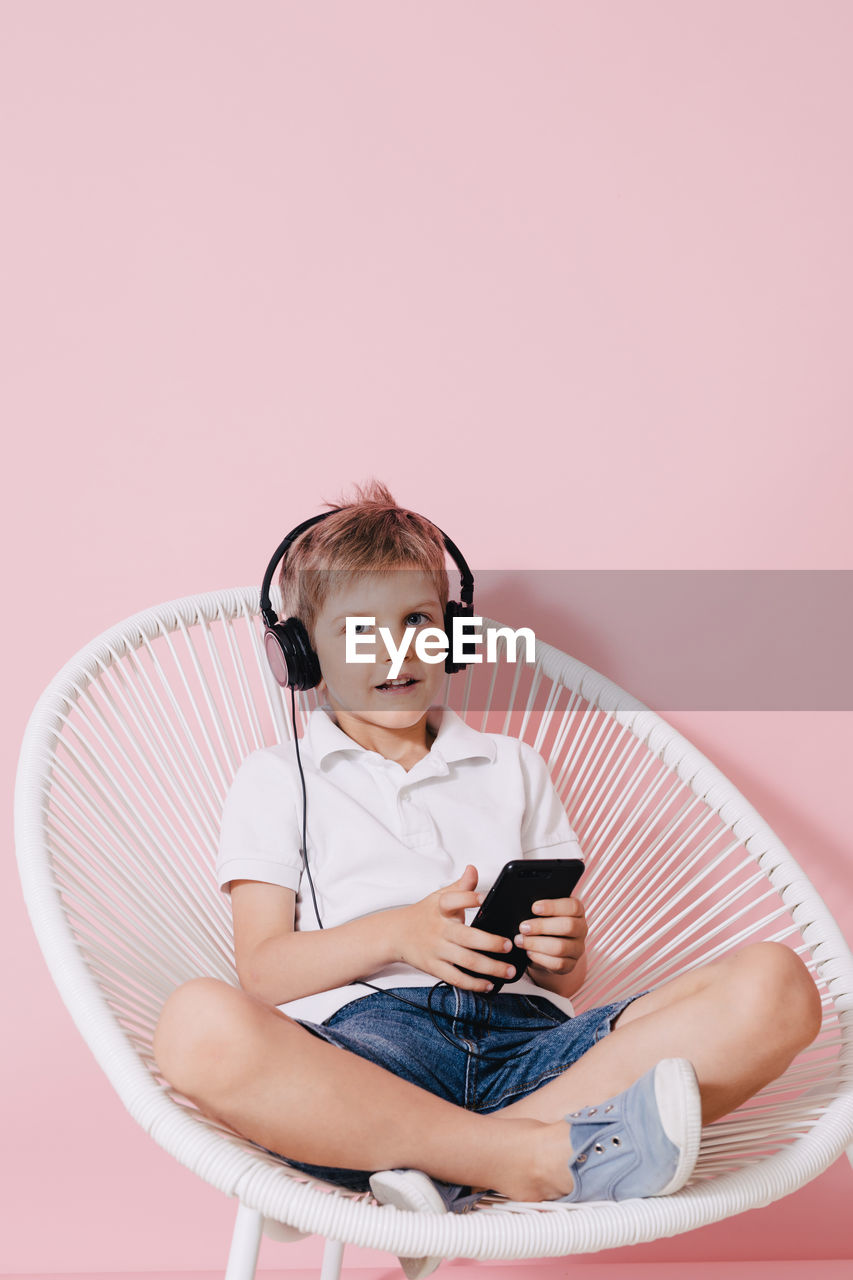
(276, 646)
(290, 655)
(454, 610)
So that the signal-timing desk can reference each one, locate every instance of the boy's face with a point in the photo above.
(358, 691)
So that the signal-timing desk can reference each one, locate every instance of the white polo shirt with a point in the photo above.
(380, 837)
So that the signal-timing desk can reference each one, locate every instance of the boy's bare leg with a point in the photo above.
(740, 1021)
(245, 1063)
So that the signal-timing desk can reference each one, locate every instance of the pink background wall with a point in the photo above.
(574, 279)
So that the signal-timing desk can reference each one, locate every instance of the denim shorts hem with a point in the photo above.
(609, 1012)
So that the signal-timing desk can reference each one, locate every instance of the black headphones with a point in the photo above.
(289, 651)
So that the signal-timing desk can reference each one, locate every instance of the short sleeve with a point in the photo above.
(545, 830)
(259, 834)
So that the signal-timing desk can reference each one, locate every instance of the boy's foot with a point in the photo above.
(642, 1142)
(416, 1191)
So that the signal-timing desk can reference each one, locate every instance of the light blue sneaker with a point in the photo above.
(419, 1193)
(643, 1142)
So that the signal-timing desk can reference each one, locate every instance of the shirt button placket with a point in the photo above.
(415, 832)
(404, 801)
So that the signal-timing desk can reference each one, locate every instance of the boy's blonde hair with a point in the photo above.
(365, 534)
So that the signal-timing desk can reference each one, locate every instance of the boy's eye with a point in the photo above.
(416, 619)
(361, 628)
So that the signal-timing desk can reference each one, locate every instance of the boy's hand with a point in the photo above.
(432, 935)
(556, 939)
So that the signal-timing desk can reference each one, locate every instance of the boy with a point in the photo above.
(411, 812)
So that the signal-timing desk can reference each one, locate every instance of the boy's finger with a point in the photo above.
(551, 946)
(479, 940)
(479, 962)
(558, 907)
(458, 900)
(555, 927)
(554, 964)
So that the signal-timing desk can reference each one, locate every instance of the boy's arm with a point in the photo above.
(558, 931)
(563, 984)
(277, 963)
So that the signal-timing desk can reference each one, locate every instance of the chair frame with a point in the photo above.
(56, 762)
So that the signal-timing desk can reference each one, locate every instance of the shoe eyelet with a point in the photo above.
(581, 1159)
(575, 1113)
(592, 1111)
(610, 1108)
(599, 1148)
(617, 1142)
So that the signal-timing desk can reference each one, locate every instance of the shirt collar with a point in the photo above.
(454, 740)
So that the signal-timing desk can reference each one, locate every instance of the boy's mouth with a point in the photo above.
(398, 685)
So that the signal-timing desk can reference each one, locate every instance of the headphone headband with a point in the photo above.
(287, 644)
(267, 612)
(271, 618)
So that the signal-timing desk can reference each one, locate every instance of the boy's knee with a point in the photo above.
(196, 1030)
(776, 980)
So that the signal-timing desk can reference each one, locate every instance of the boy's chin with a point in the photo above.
(388, 717)
(395, 717)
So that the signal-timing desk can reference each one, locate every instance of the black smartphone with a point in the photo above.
(520, 883)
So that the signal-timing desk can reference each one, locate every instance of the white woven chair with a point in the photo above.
(124, 766)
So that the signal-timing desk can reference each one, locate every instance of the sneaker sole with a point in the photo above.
(680, 1108)
(410, 1190)
(414, 1191)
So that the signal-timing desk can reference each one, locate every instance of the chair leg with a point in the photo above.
(333, 1257)
(245, 1243)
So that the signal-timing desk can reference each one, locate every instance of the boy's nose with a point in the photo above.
(398, 638)
(409, 651)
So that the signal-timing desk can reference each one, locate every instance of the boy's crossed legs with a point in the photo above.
(740, 1021)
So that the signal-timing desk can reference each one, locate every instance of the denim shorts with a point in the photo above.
(505, 1047)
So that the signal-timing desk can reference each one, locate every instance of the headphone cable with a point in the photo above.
(360, 981)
